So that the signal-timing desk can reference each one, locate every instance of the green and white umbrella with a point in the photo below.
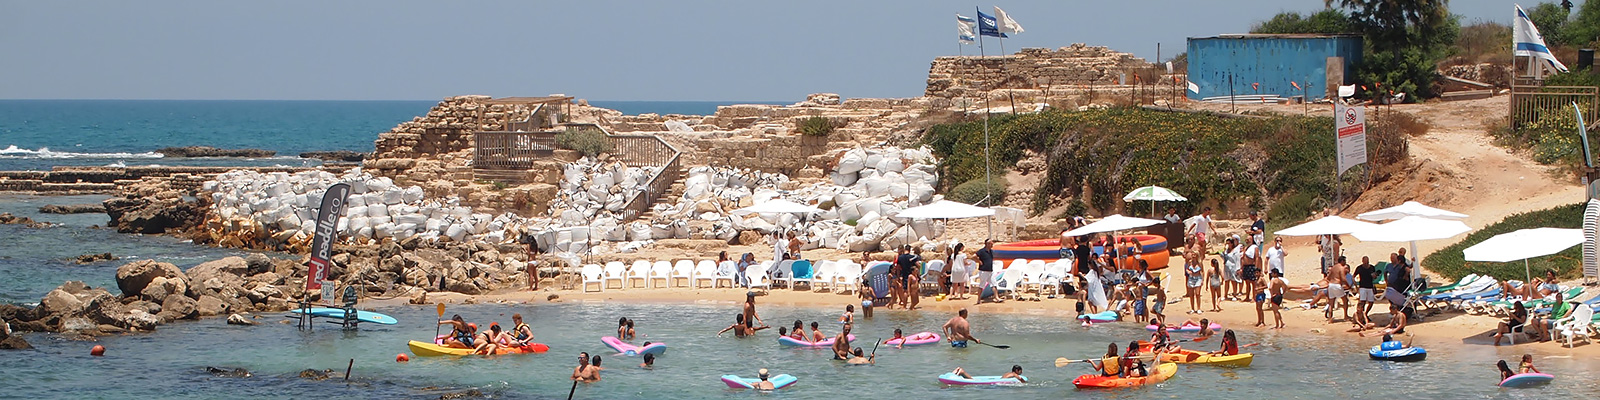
(1154, 194)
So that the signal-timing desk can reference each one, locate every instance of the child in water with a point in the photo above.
(649, 361)
(1505, 370)
(1527, 365)
(816, 333)
(849, 316)
(799, 332)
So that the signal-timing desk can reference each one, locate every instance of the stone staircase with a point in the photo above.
(670, 196)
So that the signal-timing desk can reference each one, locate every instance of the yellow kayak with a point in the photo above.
(1200, 357)
(425, 349)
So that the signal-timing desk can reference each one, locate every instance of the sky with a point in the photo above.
(686, 50)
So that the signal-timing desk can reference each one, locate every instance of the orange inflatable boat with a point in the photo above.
(1154, 250)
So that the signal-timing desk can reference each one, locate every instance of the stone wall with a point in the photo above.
(1031, 68)
(447, 128)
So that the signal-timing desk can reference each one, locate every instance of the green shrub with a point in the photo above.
(1295, 207)
(1450, 262)
(974, 192)
(816, 126)
(590, 142)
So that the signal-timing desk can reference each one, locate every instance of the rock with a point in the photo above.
(262, 292)
(209, 306)
(270, 278)
(78, 324)
(469, 393)
(257, 263)
(178, 307)
(149, 307)
(132, 278)
(5, 329)
(94, 258)
(73, 209)
(14, 343)
(237, 319)
(228, 372)
(341, 155)
(222, 278)
(208, 151)
(8, 219)
(463, 286)
(162, 287)
(60, 302)
(154, 214)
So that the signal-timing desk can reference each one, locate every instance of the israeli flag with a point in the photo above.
(1527, 41)
(988, 26)
(964, 27)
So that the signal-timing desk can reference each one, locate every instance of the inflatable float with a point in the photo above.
(422, 349)
(778, 382)
(1186, 327)
(789, 341)
(1527, 380)
(630, 350)
(1395, 351)
(1096, 381)
(950, 378)
(1099, 317)
(915, 340)
(1154, 250)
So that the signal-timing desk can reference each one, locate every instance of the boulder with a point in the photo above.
(262, 292)
(237, 319)
(94, 258)
(153, 215)
(59, 302)
(163, 287)
(209, 306)
(73, 209)
(463, 286)
(257, 263)
(132, 278)
(270, 278)
(223, 278)
(9, 342)
(149, 307)
(229, 372)
(178, 307)
(138, 319)
(78, 324)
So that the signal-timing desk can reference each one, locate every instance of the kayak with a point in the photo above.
(629, 349)
(1096, 381)
(950, 378)
(778, 382)
(1393, 351)
(425, 349)
(363, 316)
(915, 340)
(1186, 327)
(1527, 380)
(789, 341)
(1201, 357)
(1103, 316)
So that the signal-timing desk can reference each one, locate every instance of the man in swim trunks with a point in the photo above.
(750, 309)
(841, 344)
(858, 357)
(957, 332)
(764, 384)
(1338, 280)
(816, 333)
(649, 361)
(1277, 287)
(581, 373)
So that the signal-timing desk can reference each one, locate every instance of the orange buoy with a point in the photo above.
(97, 350)
(402, 357)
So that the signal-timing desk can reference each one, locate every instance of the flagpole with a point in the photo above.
(988, 180)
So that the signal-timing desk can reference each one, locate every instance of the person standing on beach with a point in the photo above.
(1194, 278)
(1202, 229)
(1250, 269)
(1338, 283)
(895, 286)
(1276, 256)
(532, 266)
(908, 261)
(1366, 284)
(957, 331)
(1278, 286)
(1214, 278)
(1084, 255)
(959, 272)
(1399, 278)
(1232, 284)
(1258, 227)
(985, 268)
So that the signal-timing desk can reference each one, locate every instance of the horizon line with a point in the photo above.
(440, 99)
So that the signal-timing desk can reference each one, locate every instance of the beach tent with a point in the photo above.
(1113, 223)
(1408, 209)
(1153, 194)
(1411, 229)
(945, 209)
(1329, 225)
(1524, 244)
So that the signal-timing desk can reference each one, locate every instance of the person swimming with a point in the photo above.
(799, 331)
(898, 336)
(622, 328)
(1205, 330)
(858, 357)
(816, 333)
(1527, 365)
(649, 361)
(849, 316)
(1505, 370)
(763, 384)
(630, 331)
(741, 327)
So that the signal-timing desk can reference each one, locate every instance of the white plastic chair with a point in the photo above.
(1579, 324)
(1053, 274)
(930, 278)
(823, 278)
(1017, 263)
(847, 277)
(1007, 282)
(640, 271)
(681, 271)
(760, 280)
(727, 271)
(762, 270)
(777, 272)
(795, 279)
(592, 273)
(615, 271)
(1033, 276)
(704, 272)
(663, 272)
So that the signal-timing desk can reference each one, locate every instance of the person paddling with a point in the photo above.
(1110, 364)
(1230, 344)
(521, 332)
(460, 332)
(859, 357)
(958, 332)
(841, 344)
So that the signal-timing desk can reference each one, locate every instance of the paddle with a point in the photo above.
(573, 390)
(441, 316)
(1240, 348)
(1063, 361)
(997, 346)
(875, 349)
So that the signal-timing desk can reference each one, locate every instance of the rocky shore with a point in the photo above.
(208, 151)
(335, 156)
(73, 209)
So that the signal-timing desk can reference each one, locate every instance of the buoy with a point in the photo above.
(97, 350)
(402, 357)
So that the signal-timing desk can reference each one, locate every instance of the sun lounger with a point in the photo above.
(1445, 288)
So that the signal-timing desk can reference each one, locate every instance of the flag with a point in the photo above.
(964, 27)
(333, 203)
(987, 27)
(1007, 25)
(1527, 41)
(1194, 88)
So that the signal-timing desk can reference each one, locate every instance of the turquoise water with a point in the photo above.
(1288, 367)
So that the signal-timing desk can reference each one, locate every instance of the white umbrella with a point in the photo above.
(777, 206)
(1153, 194)
(945, 209)
(1524, 244)
(1115, 222)
(1330, 225)
(1411, 229)
(1410, 208)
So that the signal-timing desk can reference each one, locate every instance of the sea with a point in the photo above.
(174, 361)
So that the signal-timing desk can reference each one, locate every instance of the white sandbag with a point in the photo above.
(875, 186)
(343, 226)
(892, 164)
(661, 231)
(379, 185)
(392, 196)
(680, 229)
(375, 221)
(413, 219)
(874, 159)
(456, 232)
(383, 230)
(306, 214)
(402, 234)
(288, 222)
(293, 200)
(314, 199)
(412, 194)
(355, 200)
(843, 179)
(639, 232)
(372, 198)
(355, 211)
(866, 220)
(852, 161)
(460, 213)
(922, 228)
(433, 225)
(358, 222)
(378, 210)
(308, 226)
(921, 194)
(276, 189)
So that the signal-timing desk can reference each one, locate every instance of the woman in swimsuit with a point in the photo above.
(630, 329)
(1194, 274)
(1214, 277)
(460, 332)
(1549, 286)
(488, 340)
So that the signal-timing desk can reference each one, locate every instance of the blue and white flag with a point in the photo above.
(1527, 41)
(964, 27)
(987, 26)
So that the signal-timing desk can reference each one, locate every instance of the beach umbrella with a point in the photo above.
(777, 206)
(1113, 223)
(1524, 244)
(945, 209)
(1330, 225)
(1411, 229)
(1408, 209)
(1153, 194)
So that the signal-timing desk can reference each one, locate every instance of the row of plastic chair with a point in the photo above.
(838, 276)
(644, 273)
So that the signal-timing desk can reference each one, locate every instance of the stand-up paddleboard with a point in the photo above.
(338, 313)
(1527, 380)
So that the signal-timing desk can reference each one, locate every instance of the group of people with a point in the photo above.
(1538, 325)
(465, 335)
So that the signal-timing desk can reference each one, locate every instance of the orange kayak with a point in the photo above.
(1096, 381)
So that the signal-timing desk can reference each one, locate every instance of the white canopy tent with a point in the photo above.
(1113, 223)
(1329, 225)
(1411, 229)
(1524, 244)
(1407, 209)
(945, 209)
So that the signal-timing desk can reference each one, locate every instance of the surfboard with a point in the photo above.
(363, 316)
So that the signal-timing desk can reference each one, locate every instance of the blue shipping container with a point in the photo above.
(1273, 61)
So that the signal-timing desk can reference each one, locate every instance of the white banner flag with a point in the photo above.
(1351, 125)
(1527, 42)
(1007, 25)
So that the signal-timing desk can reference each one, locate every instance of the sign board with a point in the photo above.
(1351, 125)
(350, 296)
(327, 291)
